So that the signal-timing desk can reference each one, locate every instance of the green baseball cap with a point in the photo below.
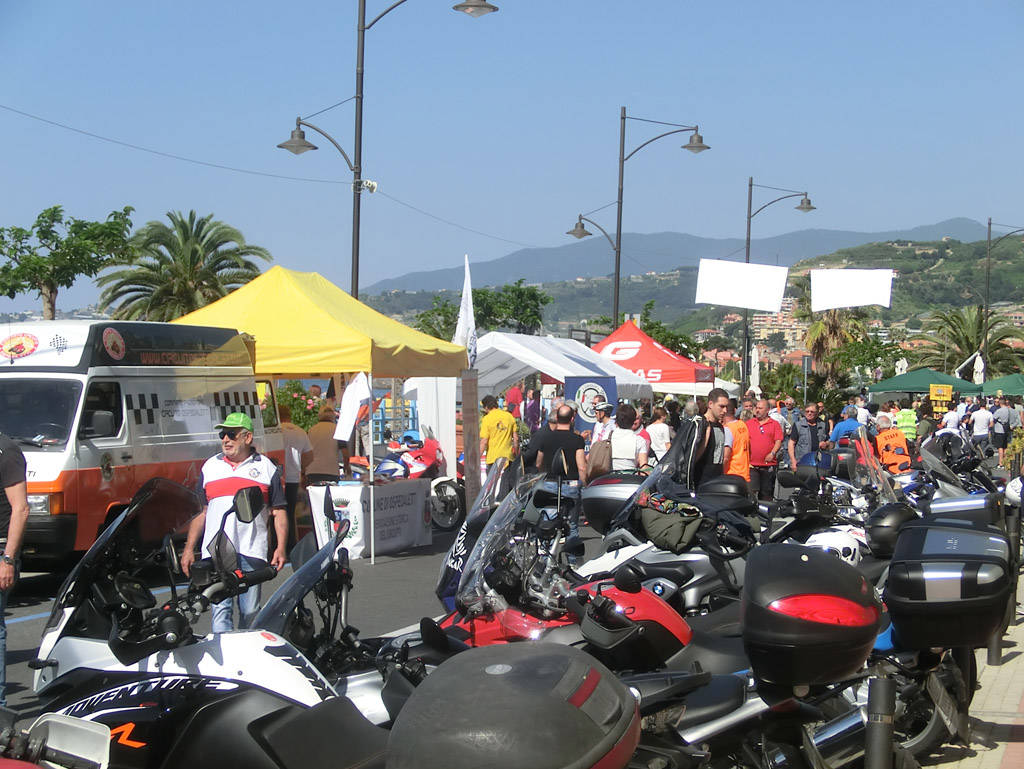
(236, 419)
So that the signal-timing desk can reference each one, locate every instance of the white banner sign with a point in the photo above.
(738, 284)
(831, 289)
(401, 517)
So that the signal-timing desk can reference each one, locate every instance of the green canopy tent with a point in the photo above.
(1011, 384)
(918, 380)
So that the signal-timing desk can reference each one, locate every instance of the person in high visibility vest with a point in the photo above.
(906, 421)
(893, 450)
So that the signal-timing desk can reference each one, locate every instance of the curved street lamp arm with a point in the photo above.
(606, 235)
(300, 122)
(383, 13)
(762, 208)
(1007, 235)
(688, 129)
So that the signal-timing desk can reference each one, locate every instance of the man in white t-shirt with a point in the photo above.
(863, 415)
(981, 422)
(236, 467)
(604, 425)
(950, 420)
(298, 454)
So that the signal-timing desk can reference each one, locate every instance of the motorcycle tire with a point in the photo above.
(447, 506)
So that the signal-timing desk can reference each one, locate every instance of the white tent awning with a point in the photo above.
(504, 358)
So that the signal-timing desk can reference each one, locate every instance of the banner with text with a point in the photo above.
(587, 392)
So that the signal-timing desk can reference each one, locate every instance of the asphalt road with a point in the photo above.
(395, 592)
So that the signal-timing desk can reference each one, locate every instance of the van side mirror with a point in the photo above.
(97, 424)
(248, 503)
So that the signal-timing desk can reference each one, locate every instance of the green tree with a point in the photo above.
(522, 307)
(827, 332)
(179, 268)
(784, 378)
(776, 341)
(56, 250)
(440, 320)
(867, 353)
(950, 337)
(663, 335)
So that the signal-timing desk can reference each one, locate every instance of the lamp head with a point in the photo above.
(696, 143)
(297, 143)
(805, 204)
(579, 231)
(475, 8)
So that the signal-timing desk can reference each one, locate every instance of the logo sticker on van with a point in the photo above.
(18, 346)
(113, 343)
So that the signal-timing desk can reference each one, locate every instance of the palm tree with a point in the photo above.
(827, 331)
(179, 268)
(951, 337)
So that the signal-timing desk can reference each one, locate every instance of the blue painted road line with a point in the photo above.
(30, 617)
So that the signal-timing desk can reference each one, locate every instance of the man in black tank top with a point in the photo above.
(715, 455)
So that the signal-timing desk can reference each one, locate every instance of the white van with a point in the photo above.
(100, 407)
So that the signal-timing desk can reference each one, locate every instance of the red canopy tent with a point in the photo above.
(666, 371)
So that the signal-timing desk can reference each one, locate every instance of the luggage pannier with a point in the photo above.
(808, 618)
(949, 582)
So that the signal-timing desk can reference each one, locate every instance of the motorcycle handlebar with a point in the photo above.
(258, 576)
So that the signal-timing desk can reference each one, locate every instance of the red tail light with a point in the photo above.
(826, 609)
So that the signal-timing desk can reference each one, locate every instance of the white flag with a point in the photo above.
(831, 289)
(355, 397)
(465, 329)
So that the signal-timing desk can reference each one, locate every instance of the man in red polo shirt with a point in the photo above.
(765, 442)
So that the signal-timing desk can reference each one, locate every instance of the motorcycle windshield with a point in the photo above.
(474, 594)
(159, 508)
(933, 458)
(275, 614)
(870, 468)
(678, 457)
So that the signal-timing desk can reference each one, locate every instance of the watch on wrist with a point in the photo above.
(7, 559)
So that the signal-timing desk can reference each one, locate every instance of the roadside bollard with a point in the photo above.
(878, 732)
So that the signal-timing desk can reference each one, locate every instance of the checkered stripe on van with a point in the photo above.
(233, 400)
(143, 407)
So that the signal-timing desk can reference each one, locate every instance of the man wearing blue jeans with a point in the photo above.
(13, 515)
(238, 466)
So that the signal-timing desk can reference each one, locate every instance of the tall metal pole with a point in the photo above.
(745, 379)
(618, 219)
(988, 283)
(357, 153)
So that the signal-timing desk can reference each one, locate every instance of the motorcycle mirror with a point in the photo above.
(628, 579)
(223, 553)
(343, 528)
(248, 503)
(329, 512)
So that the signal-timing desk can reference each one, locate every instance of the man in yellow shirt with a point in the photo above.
(498, 434)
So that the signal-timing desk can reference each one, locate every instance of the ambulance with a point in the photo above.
(101, 407)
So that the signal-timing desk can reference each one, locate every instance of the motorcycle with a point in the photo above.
(53, 741)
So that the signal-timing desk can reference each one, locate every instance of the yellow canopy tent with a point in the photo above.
(304, 324)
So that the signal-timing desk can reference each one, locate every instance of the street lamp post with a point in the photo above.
(804, 206)
(989, 245)
(474, 8)
(695, 144)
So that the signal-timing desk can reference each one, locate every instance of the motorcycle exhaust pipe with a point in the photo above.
(837, 743)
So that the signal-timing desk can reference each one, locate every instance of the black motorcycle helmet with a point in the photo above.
(883, 525)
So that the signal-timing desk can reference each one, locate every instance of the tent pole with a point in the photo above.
(369, 457)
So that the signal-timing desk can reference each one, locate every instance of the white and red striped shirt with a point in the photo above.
(217, 486)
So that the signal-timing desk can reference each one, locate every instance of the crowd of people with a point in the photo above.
(751, 437)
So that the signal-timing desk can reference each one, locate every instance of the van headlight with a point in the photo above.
(38, 504)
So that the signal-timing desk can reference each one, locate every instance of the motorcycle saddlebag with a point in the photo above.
(604, 497)
(979, 508)
(808, 618)
(537, 705)
(725, 484)
(949, 581)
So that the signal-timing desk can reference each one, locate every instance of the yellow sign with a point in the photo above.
(940, 392)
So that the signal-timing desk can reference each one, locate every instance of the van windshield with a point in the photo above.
(38, 412)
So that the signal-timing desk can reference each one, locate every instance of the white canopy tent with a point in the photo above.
(504, 358)
(697, 388)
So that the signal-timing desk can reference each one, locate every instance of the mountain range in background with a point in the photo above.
(662, 252)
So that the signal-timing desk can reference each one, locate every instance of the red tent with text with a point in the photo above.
(666, 371)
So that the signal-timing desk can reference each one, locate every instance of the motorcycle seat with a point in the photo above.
(716, 654)
(286, 735)
(872, 568)
(722, 695)
(721, 622)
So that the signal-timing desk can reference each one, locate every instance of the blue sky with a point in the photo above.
(890, 114)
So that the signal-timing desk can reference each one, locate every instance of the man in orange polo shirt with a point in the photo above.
(739, 461)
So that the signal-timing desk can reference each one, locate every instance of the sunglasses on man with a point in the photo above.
(230, 434)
